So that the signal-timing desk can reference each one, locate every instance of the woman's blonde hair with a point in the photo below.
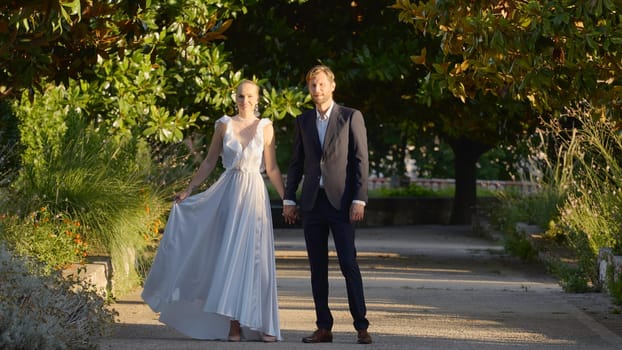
(247, 81)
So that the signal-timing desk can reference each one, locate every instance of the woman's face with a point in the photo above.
(246, 97)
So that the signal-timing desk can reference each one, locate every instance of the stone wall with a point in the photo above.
(395, 211)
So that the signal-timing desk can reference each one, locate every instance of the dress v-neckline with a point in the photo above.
(250, 140)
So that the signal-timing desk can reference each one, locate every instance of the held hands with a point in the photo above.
(357, 212)
(290, 214)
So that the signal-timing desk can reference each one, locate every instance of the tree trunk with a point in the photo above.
(466, 155)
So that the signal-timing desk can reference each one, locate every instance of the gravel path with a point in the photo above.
(427, 287)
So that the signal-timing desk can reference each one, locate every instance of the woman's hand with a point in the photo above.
(183, 195)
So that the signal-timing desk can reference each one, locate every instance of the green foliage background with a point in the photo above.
(106, 106)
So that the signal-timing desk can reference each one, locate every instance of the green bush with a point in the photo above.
(55, 240)
(100, 181)
(408, 191)
(580, 202)
(591, 215)
(414, 190)
(614, 285)
(540, 208)
(518, 245)
(572, 278)
(44, 311)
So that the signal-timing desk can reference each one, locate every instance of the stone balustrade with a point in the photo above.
(524, 187)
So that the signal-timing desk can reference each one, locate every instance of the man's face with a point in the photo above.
(321, 88)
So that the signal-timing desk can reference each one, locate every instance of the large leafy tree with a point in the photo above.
(495, 68)
(57, 40)
(362, 42)
(96, 86)
(150, 68)
(367, 46)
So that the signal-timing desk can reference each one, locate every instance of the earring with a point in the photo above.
(256, 112)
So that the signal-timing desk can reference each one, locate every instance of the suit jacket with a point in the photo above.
(343, 161)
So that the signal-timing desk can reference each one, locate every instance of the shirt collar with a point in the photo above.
(328, 112)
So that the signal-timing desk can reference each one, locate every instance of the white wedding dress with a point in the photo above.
(215, 262)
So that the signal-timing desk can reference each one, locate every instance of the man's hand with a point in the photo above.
(290, 214)
(357, 212)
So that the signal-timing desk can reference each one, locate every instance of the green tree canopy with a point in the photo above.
(152, 68)
(363, 43)
(546, 52)
(495, 68)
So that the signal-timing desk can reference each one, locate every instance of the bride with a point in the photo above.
(214, 274)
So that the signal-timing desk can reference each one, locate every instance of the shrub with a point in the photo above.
(55, 240)
(572, 278)
(44, 311)
(100, 181)
(518, 245)
(587, 173)
(408, 191)
(591, 214)
(582, 191)
(540, 208)
(614, 285)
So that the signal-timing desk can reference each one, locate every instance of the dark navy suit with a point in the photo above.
(343, 163)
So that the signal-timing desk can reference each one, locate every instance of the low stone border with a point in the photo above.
(609, 266)
(98, 272)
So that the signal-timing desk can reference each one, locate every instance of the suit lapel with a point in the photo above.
(335, 124)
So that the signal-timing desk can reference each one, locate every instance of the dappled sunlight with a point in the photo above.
(434, 299)
(410, 309)
(387, 318)
(443, 282)
(399, 271)
(332, 253)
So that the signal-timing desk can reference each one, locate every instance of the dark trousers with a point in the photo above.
(317, 223)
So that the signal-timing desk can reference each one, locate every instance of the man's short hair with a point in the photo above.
(320, 69)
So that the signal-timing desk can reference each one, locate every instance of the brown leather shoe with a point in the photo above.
(319, 336)
(363, 337)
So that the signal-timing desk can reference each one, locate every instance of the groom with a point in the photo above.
(330, 150)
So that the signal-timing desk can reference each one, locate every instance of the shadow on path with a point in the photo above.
(427, 287)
